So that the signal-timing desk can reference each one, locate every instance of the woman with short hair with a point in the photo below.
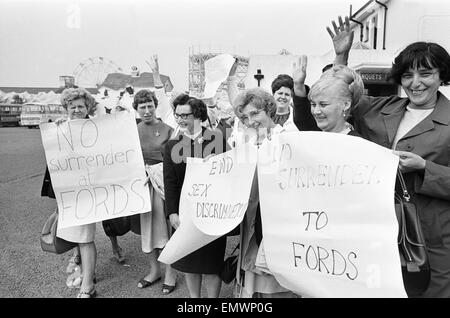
(332, 97)
(78, 103)
(256, 109)
(193, 141)
(153, 136)
(417, 127)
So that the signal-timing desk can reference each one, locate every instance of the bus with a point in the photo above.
(10, 114)
(34, 114)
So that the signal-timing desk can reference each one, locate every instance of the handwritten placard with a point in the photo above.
(213, 201)
(217, 191)
(327, 209)
(97, 168)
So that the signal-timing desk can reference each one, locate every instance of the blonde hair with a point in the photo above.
(350, 84)
(70, 94)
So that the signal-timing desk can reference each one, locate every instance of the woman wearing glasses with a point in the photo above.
(200, 142)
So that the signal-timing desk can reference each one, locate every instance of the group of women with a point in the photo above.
(415, 127)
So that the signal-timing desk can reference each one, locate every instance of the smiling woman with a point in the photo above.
(193, 141)
(418, 129)
(79, 103)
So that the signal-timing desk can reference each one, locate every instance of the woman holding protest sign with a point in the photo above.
(256, 109)
(153, 135)
(417, 128)
(78, 103)
(199, 142)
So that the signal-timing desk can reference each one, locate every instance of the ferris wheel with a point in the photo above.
(93, 71)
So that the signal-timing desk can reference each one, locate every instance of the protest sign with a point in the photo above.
(97, 168)
(328, 218)
(213, 201)
(216, 72)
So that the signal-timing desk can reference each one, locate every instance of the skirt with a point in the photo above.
(206, 260)
(78, 234)
(154, 229)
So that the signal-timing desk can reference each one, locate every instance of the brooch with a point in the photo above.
(200, 140)
(157, 134)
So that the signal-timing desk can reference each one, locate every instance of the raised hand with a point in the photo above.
(299, 73)
(299, 76)
(342, 36)
(153, 63)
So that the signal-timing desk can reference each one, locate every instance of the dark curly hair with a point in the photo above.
(144, 96)
(282, 80)
(198, 107)
(422, 54)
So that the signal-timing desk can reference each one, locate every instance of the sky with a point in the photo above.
(43, 39)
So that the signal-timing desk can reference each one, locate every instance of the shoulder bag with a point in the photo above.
(411, 243)
(49, 241)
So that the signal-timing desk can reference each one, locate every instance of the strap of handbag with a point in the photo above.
(411, 265)
(405, 193)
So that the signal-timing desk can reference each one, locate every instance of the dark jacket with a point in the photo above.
(209, 258)
(47, 188)
(184, 147)
(377, 119)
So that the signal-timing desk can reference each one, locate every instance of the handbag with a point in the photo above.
(229, 267)
(117, 227)
(49, 241)
(411, 243)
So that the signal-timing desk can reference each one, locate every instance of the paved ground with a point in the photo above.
(27, 271)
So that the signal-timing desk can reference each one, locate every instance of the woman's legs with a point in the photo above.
(88, 262)
(155, 269)
(194, 284)
(117, 250)
(170, 276)
(213, 283)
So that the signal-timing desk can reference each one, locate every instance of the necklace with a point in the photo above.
(157, 134)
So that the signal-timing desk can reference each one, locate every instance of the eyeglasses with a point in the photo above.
(182, 116)
(252, 114)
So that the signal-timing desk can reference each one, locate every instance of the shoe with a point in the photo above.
(87, 294)
(76, 278)
(167, 289)
(74, 261)
(143, 283)
(118, 255)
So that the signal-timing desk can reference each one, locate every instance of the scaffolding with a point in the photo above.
(197, 74)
